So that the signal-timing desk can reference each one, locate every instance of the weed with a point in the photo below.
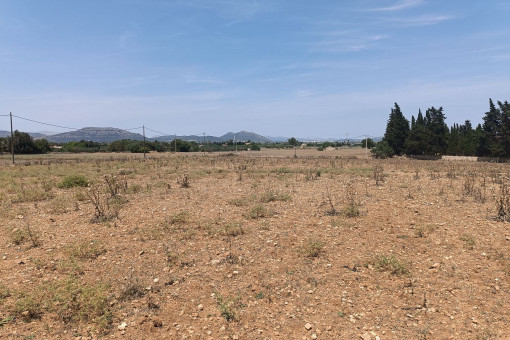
(184, 181)
(351, 210)
(313, 248)
(28, 307)
(503, 203)
(352, 207)
(178, 219)
(86, 250)
(73, 181)
(115, 185)
(240, 202)
(4, 293)
(378, 174)
(132, 290)
(59, 205)
(33, 236)
(234, 229)
(332, 211)
(171, 257)
(73, 300)
(272, 196)
(105, 208)
(80, 196)
(424, 231)
(18, 236)
(468, 239)
(6, 320)
(259, 211)
(229, 306)
(391, 264)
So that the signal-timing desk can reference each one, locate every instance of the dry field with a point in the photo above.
(261, 245)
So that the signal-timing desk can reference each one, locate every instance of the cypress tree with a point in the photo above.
(397, 130)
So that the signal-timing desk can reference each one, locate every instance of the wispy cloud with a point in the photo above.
(195, 79)
(348, 41)
(401, 5)
(424, 20)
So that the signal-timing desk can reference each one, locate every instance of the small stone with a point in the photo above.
(156, 280)
(314, 336)
(122, 326)
(157, 323)
(201, 307)
(308, 326)
(366, 336)
(435, 265)
(141, 253)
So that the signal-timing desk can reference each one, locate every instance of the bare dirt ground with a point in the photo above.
(259, 245)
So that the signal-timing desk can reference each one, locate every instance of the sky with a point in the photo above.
(299, 68)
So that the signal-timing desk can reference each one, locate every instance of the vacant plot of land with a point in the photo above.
(227, 246)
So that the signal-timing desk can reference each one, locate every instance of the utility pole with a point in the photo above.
(143, 127)
(12, 140)
(203, 146)
(366, 145)
(235, 141)
(175, 142)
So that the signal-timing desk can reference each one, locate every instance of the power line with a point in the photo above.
(161, 133)
(48, 124)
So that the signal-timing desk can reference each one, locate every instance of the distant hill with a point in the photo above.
(5, 133)
(244, 136)
(95, 134)
(190, 138)
(241, 136)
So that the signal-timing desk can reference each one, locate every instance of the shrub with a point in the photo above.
(391, 264)
(86, 250)
(259, 211)
(272, 196)
(73, 181)
(313, 248)
(229, 307)
(234, 229)
(69, 300)
(382, 150)
(4, 293)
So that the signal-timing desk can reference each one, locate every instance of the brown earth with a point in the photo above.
(260, 245)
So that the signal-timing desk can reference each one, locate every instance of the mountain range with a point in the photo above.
(110, 134)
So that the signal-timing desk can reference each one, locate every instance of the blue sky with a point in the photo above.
(276, 67)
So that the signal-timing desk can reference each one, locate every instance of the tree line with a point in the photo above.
(428, 134)
(26, 144)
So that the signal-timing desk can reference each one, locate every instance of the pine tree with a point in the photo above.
(397, 130)
(492, 127)
(418, 140)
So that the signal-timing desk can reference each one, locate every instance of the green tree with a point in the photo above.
(397, 130)
(438, 130)
(418, 140)
(24, 144)
(293, 141)
(504, 109)
(492, 144)
(367, 143)
(382, 150)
